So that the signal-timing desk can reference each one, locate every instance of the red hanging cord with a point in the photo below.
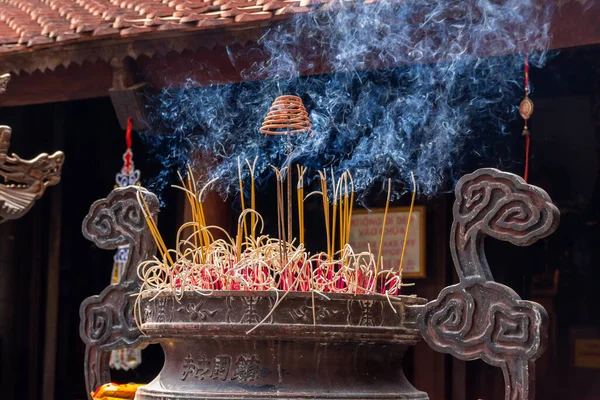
(527, 142)
(128, 155)
(526, 110)
(527, 135)
(128, 133)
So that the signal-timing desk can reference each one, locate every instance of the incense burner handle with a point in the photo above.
(479, 318)
(107, 320)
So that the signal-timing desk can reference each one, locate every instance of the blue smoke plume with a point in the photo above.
(410, 89)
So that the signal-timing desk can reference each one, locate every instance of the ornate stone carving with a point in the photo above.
(196, 312)
(25, 181)
(107, 320)
(321, 313)
(163, 307)
(365, 313)
(248, 309)
(479, 318)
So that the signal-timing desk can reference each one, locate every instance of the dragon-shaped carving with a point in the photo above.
(24, 180)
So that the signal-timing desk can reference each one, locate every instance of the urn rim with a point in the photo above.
(268, 315)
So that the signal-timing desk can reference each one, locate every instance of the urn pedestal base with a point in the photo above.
(354, 351)
(214, 369)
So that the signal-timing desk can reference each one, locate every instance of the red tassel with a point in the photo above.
(128, 133)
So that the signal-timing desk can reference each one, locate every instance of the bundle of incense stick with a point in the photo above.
(252, 261)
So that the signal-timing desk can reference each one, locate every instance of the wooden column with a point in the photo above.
(32, 304)
(53, 269)
(8, 289)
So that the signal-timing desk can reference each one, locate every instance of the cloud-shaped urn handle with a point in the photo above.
(107, 320)
(479, 318)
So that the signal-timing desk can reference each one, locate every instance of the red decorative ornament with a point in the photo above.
(125, 359)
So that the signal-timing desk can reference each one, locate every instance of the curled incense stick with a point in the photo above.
(343, 193)
(241, 184)
(252, 195)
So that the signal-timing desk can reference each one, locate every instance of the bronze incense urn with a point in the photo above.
(302, 345)
(211, 355)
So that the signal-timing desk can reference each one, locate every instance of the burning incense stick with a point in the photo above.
(280, 216)
(342, 211)
(252, 197)
(288, 177)
(324, 194)
(387, 206)
(344, 206)
(201, 215)
(335, 188)
(195, 204)
(300, 188)
(189, 192)
(242, 194)
(153, 229)
(351, 207)
(410, 211)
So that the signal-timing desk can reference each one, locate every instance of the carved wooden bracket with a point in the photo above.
(479, 318)
(107, 320)
(127, 96)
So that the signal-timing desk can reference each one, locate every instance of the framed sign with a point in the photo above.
(366, 231)
(585, 347)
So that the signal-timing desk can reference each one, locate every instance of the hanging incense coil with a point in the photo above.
(286, 115)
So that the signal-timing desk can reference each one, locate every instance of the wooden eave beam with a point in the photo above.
(169, 58)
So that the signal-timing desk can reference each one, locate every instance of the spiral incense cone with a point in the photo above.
(286, 115)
